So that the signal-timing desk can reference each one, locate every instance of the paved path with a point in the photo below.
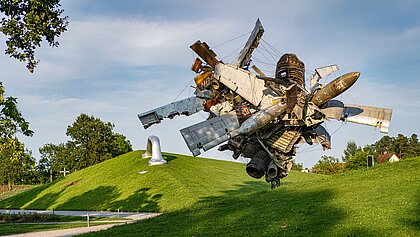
(81, 230)
(130, 215)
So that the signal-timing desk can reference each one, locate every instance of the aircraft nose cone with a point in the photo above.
(350, 78)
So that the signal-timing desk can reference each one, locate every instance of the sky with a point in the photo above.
(121, 58)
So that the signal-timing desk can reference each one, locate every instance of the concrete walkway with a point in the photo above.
(133, 216)
(129, 215)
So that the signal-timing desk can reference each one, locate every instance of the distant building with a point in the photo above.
(394, 158)
(388, 157)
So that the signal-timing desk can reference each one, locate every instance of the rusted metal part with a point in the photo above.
(196, 65)
(334, 88)
(290, 70)
(204, 51)
(200, 79)
(257, 70)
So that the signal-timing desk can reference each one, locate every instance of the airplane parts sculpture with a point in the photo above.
(260, 117)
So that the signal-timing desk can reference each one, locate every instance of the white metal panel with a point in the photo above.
(243, 82)
(367, 115)
(327, 70)
(188, 106)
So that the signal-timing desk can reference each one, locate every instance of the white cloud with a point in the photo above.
(103, 67)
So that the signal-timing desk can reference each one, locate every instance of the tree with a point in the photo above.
(350, 150)
(297, 166)
(328, 165)
(94, 141)
(26, 23)
(414, 146)
(11, 120)
(51, 161)
(14, 159)
(91, 141)
(358, 160)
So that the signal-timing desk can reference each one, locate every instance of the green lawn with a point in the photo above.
(117, 184)
(11, 229)
(201, 197)
(380, 201)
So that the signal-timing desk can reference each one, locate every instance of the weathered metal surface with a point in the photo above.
(244, 56)
(321, 73)
(240, 81)
(323, 137)
(360, 114)
(200, 79)
(290, 70)
(186, 107)
(333, 109)
(325, 71)
(334, 88)
(367, 115)
(210, 133)
(261, 117)
(284, 141)
(204, 51)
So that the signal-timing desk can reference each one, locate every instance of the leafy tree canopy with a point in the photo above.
(350, 150)
(328, 165)
(91, 141)
(25, 23)
(11, 120)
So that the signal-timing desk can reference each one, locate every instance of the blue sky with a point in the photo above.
(120, 58)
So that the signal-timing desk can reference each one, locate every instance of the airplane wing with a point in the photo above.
(186, 107)
(244, 57)
(210, 133)
(360, 114)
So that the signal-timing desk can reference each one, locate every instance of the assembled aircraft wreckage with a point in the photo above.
(260, 117)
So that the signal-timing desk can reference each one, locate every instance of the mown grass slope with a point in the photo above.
(380, 201)
(117, 184)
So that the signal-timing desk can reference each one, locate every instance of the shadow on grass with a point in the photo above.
(414, 221)
(239, 212)
(103, 198)
(260, 213)
(168, 157)
(44, 202)
(96, 199)
(20, 200)
(139, 201)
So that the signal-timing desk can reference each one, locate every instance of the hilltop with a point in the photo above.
(119, 184)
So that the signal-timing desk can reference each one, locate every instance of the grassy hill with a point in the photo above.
(380, 201)
(117, 184)
(201, 197)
